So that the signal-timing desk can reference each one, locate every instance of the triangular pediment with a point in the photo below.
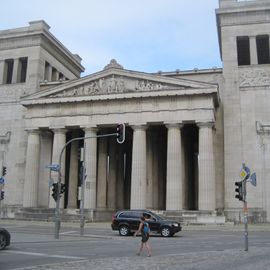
(117, 81)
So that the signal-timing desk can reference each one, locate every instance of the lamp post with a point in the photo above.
(57, 168)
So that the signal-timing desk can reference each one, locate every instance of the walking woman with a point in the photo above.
(145, 233)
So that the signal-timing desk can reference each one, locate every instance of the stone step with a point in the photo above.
(73, 215)
(194, 217)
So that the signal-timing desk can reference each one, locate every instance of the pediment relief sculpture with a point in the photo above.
(114, 85)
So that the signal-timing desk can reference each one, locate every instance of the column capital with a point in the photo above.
(59, 130)
(139, 126)
(32, 130)
(90, 128)
(173, 125)
(205, 124)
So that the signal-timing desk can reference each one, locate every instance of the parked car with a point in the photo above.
(4, 238)
(127, 222)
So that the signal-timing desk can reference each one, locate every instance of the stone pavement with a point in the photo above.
(255, 258)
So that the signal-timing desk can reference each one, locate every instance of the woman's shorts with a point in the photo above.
(145, 237)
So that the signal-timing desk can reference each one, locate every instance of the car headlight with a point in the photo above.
(175, 224)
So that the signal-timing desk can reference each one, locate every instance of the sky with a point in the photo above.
(142, 35)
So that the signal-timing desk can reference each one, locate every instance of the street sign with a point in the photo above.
(2, 180)
(53, 167)
(244, 173)
(253, 179)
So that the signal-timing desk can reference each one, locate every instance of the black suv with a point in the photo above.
(127, 222)
(4, 238)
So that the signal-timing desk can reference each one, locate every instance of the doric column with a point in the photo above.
(15, 71)
(90, 194)
(253, 51)
(102, 173)
(30, 193)
(73, 173)
(138, 171)
(174, 191)
(46, 140)
(59, 140)
(55, 75)
(2, 69)
(207, 187)
(48, 72)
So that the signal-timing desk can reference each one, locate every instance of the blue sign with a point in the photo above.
(2, 180)
(54, 167)
(253, 179)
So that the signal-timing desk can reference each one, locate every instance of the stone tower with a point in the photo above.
(243, 31)
(29, 57)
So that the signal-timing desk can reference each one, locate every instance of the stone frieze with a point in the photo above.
(112, 85)
(254, 77)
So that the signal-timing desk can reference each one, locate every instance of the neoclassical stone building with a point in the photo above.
(187, 132)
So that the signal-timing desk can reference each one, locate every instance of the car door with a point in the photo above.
(152, 221)
(135, 219)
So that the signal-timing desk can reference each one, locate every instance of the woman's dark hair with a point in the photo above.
(142, 218)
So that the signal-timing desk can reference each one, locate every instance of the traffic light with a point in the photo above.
(120, 137)
(239, 191)
(63, 188)
(55, 191)
(2, 195)
(4, 170)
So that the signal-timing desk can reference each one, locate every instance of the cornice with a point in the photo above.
(32, 36)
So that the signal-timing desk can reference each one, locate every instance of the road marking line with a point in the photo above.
(42, 254)
(49, 264)
(68, 232)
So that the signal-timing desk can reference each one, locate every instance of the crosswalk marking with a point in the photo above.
(41, 254)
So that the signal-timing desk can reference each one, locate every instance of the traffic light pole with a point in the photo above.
(82, 194)
(57, 207)
(245, 210)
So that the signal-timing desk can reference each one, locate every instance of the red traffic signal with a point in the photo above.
(55, 191)
(239, 191)
(120, 130)
(2, 195)
(4, 170)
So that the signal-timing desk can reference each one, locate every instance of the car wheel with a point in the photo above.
(3, 241)
(166, 232)
(124, 230)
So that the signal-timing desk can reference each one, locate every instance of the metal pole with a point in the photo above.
(57, 206)
(245, 217)
(0, 206)
(82, 195)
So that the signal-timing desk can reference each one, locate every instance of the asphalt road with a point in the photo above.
(199, 247)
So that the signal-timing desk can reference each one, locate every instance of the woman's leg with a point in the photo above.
(140, 250)
(148, 248)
